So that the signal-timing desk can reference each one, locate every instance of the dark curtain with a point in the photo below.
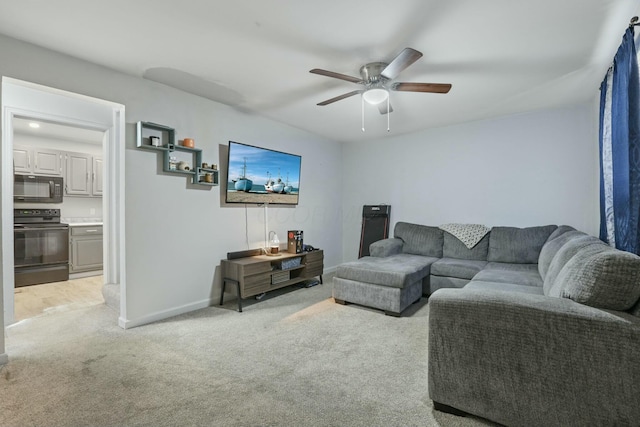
(620, 150)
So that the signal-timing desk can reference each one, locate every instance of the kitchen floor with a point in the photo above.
(34, 300)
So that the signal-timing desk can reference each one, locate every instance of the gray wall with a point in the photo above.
(176, 234)
(521, 170)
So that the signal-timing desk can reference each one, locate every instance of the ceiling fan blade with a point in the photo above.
(338, 98)
(407, 57)
(336, 75)
(422, 87)
(383, 108)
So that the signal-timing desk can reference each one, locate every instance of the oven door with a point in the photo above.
(41, 245)
(37, 189)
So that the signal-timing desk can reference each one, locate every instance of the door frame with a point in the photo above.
(25, 99)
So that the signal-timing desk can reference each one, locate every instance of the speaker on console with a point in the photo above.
(295, 241)
(375, 226)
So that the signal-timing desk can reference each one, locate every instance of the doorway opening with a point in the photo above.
(27, 100)
(58, 254)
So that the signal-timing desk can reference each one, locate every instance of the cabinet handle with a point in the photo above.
(87, 176)
(90, 231)
(28, 160)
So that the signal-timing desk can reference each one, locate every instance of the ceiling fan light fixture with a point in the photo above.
(375, 96)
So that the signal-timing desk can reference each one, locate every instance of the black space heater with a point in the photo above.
(375, 226)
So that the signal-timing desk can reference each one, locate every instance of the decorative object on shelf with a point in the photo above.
(183, 166)
(173, 162)
(207, 177)
(214, 167)
(205, 166)
(295, 241)
(288, 264)
(153, 136)
(274, 243)
(188, 142)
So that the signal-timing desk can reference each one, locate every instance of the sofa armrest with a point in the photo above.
(524, 359)
(386, 247)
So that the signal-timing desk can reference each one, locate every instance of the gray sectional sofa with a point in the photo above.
(532, 326)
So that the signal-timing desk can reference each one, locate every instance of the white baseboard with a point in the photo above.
(4, 359)
(85, 274)
(165, 314)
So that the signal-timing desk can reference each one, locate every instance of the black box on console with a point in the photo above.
(294, 241)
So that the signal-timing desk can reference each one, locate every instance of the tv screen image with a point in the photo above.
(260, 175)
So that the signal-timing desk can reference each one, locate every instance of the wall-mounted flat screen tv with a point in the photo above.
(260, 175)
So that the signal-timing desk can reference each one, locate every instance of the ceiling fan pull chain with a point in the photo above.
(388, 112)
(362, 100)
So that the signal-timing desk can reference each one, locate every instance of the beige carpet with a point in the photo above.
(293, 359)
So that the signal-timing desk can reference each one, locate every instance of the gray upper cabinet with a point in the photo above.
(39, 161)
(82, 172)
(83, 175)
(47, 162)
(96, 188)
(22, 159)
(78, 182)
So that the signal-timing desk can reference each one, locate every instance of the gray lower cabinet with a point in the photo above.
(85, 244)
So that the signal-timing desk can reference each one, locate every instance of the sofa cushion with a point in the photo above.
(396, 271)
(601, 277)
(528, 277)
(454, 248)
(385, 247)
(506, 287)
(510, 266)
(420, 239)
(574, 244)
(459, 268)
(518, 245)
(555, 242)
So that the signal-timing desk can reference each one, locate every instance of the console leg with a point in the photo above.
(239, 299)
(340, 301)
(224, 285)
(321, 280)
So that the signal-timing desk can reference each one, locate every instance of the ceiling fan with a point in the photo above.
(377, 79)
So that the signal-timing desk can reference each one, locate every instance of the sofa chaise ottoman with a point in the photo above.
(395, 274)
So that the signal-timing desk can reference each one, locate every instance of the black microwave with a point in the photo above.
(37, 189)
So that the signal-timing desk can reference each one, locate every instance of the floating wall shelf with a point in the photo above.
(146, 132)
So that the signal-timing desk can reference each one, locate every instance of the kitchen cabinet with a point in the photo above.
(85, 248)
(96, 177)
(83, 175)
(40, 161)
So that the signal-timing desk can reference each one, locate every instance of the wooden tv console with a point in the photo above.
(256, 275)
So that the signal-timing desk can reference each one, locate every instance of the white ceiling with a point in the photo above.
(501, 56)
(21, 125)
